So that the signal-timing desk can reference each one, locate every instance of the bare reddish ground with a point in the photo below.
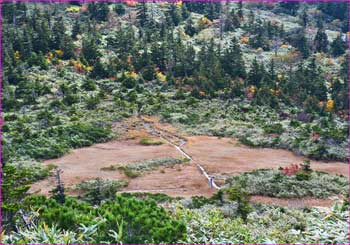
(225, 156)
(86, 163)
(220, 157)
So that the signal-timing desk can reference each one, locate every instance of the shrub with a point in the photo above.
(269, 182)
(146, 141)
(56, 141)
(276, 128)
(130, 173)
(302, 176)
(239, 195)
(92, 102)
(290, 170)
(98, 190)
(137, 221)
(89, 85)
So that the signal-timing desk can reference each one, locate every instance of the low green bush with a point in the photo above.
(98, 190)
(134, 221)
(273, 183)
(56, 141)
(146, 141)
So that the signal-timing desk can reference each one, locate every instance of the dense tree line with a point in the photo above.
(33, 35)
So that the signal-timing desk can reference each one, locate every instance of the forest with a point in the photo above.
(267, 75)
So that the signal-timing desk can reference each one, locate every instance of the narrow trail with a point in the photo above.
(172, 138)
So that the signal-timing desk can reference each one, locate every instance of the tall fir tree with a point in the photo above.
(321, 40)
(338, 46)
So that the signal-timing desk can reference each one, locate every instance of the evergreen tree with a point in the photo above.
(240, 10)
(272, 75)
(58, 193)
(175, 14)
(67, 47)
(89, 50)
(119, 9)
(184, 12)
(98, 11)
(41, 39)
(76, 29)
(99, 71)
(302, 45)
(338, 46)
(189, 28)
(257, 74)
(289, 7)
(232, 21)
(232, 60)
(304, 18)
(321, 41)
(58, 32)
(141, 12)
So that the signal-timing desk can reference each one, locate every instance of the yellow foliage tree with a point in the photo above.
(204, 22)
(330, 105)
(245, 40)
(252, 89)
(17, 55)
(161, 76)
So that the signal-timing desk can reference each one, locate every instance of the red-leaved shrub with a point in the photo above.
(292, 169)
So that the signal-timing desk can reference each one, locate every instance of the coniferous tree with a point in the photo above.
(58, 193)
(89, 50)
(232, 60)
(338, 46)
(119, 9)
(302, 45)
(184, 12)
(289, 7)
(141, 12)
(76, 29)
(67, 47)
(321, 41)
(58, 32)
(98, 11)
(240, 10)
(41, 39)
(304, 18)
(257, 74)
(189, 28)
(175, 14)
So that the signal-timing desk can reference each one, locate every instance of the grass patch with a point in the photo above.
(130, 172)
(135, 169)
(110, 168)
(146, 141)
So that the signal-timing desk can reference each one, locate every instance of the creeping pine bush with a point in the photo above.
(275, 184)
(98, 189)
(56, 141)
(128, 220)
